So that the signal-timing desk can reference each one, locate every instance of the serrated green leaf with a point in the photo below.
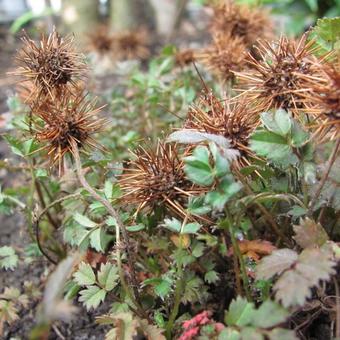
(328, 29)
(211, 276)
(197, 167)
(198, 249)
(163, 288)
(221, 164)
(92, 296)
(272, 146)
(240, 312)
(108, 189)
(108, 276)
(269, 314)
(197, 206)
(8, 258)
(280, 123)
(173, 224)
(84, 221)
(84, 275)
(299, 137)
(96, 239)
(191, 228)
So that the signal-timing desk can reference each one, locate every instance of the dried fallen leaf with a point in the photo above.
(255, 249)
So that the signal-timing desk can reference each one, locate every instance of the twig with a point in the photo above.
(36, 221)
(120, 228)
(264, 211)
(238, 254)
(324, 178)
(337, 308)
(43, 204)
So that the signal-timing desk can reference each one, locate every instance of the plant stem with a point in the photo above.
(177, 297)
(119, 229)
(238, 254)
(264, 211)
(15, 200)
(332, 159)
(42, 202)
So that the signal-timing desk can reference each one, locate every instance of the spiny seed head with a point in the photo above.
(50, 64)
(157, 177)
(100, 40)
(241, 21)
(234, 119)
(131, 45)
(185, 57)
(225, 55)
(281, 76)
(71, 119)
(326, 94)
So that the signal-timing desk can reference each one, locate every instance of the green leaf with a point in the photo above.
(282, 334)
(15, 144)
(313, 5)
(280, 123)
(92, 296)
(211, 276)
(137, 227)
(328, 29)
(197, 167)
(163, 288)
(221, 163)
(96, 239)
(269, 314)
(225, 191)
(251, 333)
(108, 189)
(198, 249)
(191, 228)
(272, 146)
(299, 137)
(240, 312)
(197, 206)
(108, 276)
(173, 224)
(84, 275)
(229, 334)
(84, 221)
(8, 258)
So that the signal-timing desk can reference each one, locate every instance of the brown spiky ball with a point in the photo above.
(131, 45)
(72, 118)
(49, 65)
(156, 177)
(100, 40)
(282, 76)
(248, 23)
(326, 94)
(225, 55)
(233, 119)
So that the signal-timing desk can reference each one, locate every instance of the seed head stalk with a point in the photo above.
(120, 228)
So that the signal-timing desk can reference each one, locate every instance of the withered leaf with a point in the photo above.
(275, 263)
(309, 234)
(294, 285)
